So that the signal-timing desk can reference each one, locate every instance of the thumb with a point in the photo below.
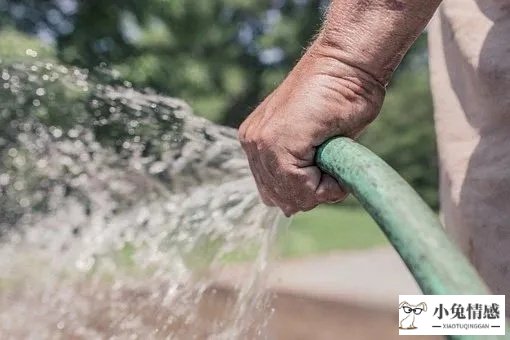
(329, 190)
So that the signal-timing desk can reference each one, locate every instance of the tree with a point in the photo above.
(223, 57)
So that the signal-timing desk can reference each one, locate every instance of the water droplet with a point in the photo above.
(4, 179)
(19, 185)
(85, 263)
(12, 152)
(57, 133)
(73, 133)
(42, 163)
(24, 202)
(31, 53)
(19, 161)
(157, 167)
(81, 183)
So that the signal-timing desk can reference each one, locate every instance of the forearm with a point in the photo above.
(373, 35)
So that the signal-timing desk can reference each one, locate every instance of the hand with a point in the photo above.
(321, 98)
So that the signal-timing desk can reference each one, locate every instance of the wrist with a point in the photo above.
(354, 97)
(377, 65)
(373, 36)
(325, 60)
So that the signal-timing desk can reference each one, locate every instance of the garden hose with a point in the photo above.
(410, 225)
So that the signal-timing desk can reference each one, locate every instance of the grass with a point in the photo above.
(329, 228)
(325, 229)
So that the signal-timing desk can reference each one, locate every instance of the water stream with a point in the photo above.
(117, 208)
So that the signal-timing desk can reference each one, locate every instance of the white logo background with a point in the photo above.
(452, 314)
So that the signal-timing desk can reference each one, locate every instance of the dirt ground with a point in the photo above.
(292, 318)
(339, 296)
(306, 299)
(307, 318)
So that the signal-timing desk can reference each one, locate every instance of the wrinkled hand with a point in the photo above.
(321, 98)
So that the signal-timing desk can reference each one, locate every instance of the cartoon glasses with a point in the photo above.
(416, 310)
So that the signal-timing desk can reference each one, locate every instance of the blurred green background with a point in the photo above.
(223, 57)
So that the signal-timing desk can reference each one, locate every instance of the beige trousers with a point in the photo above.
(469, 43)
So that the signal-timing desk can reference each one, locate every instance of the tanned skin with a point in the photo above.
(336, 89)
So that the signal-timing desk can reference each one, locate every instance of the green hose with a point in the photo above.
(409, 224)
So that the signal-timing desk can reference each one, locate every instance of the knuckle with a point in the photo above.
(331, 197)
(309, 206)
(261, 145)
(241, 134)
(323, 196)
(293, 204)
(307, 202)
(264, 140)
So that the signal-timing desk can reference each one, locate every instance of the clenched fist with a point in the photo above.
(322, 97)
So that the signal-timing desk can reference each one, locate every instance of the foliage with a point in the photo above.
(223, 57)
(52, 116)
(19, 47)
